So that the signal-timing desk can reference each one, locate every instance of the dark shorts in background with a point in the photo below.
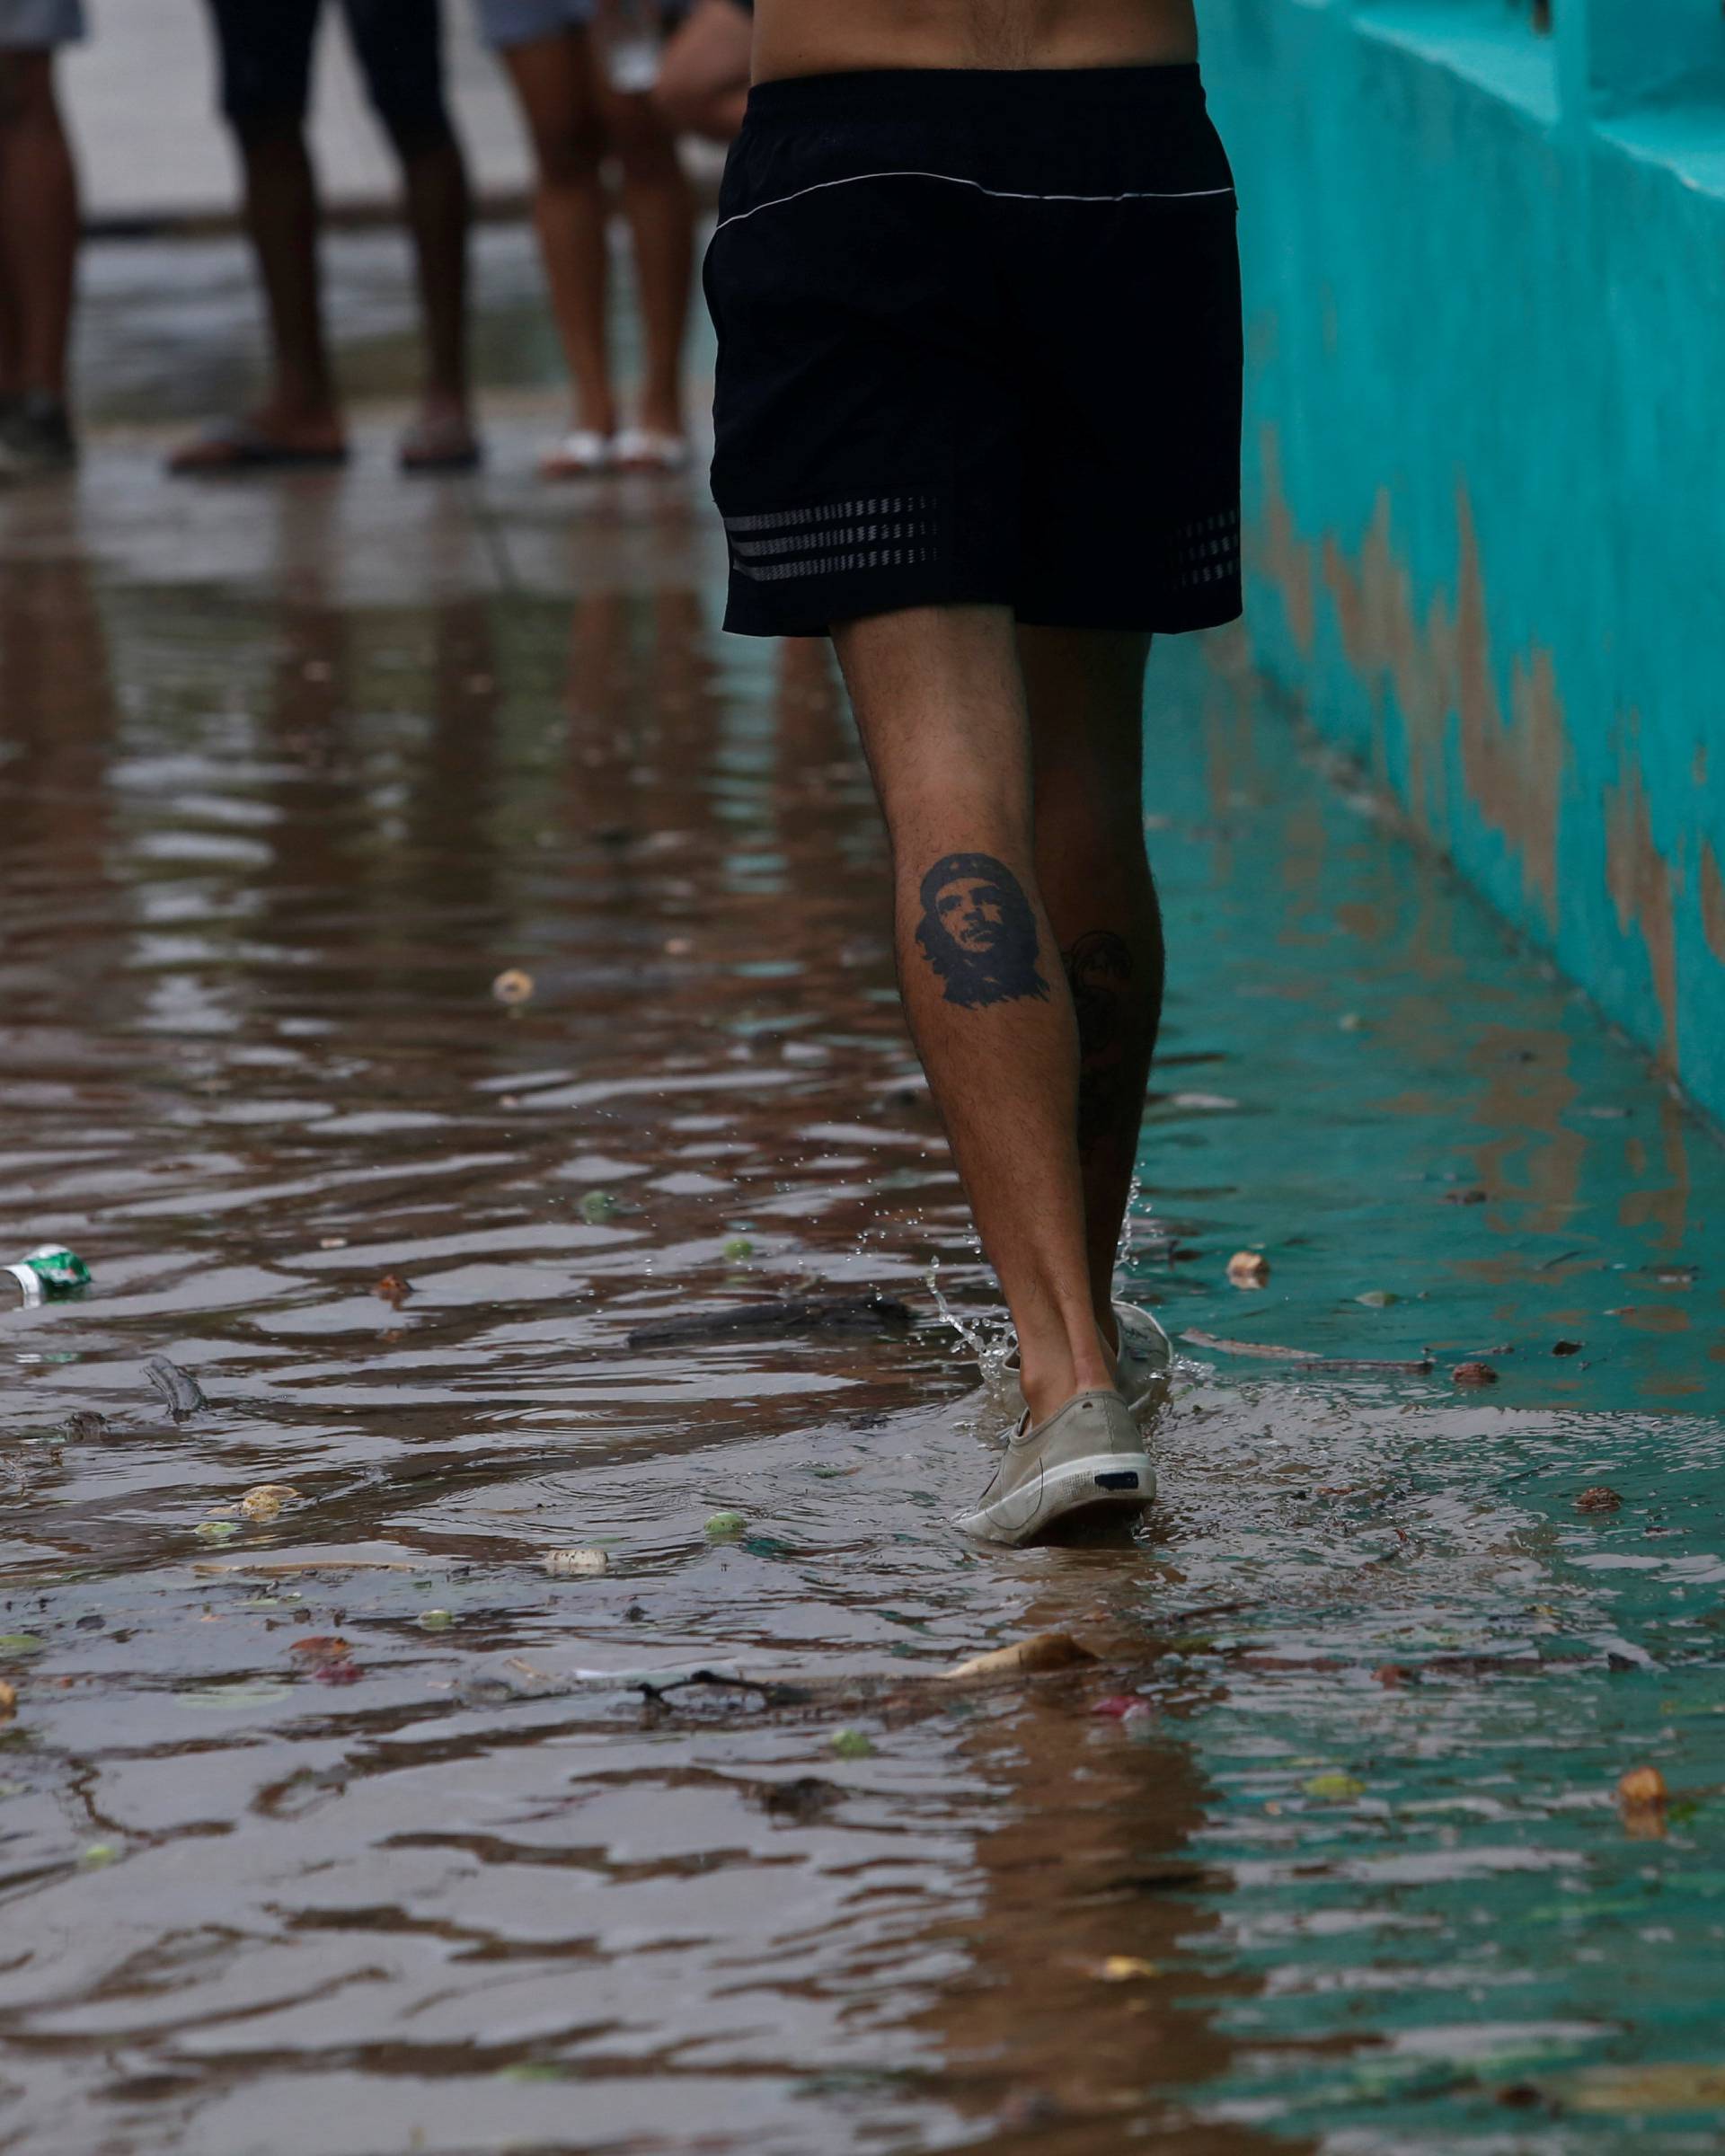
(265, 55)
(979, 341)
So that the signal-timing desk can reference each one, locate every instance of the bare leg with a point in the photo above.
(659, 203)
(941, 703)
(38, 228)
(281, 216)
(439, 213)
(557, 84)
(702, 86)
(1085, 691)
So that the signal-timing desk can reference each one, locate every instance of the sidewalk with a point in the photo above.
(153, 151)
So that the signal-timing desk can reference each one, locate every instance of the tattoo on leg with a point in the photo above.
(1098, 972)
(978, 931)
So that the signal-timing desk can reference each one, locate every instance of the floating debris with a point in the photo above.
(851, 1744)
(8, 1700)
(1598, 1497)
(394, 1289)
(597, 1207)
(183, 1393)
(801, 1800)
(1306, 1357)
(1126, 1968)
(1378, 1298)
(1465, 1197)
(82, 1425)
(1568, 1346)
(1248, 1269)
(216, 1531)
(267, 1501)
(726, 1526)
(1041, 1651)
(1474, 1374)
(322, 1646)
(513, 987)
(577, 1564)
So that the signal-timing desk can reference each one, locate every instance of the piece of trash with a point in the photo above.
(1248, 1269)
(1118, 1705)
(234, 1697)
(1465, 1197)
(597, 1207)
(216, 1531)
(394, 1289)
(8, 1700)
(796, 1315)
(513, 986)
(1333, 1788)
(805, 1799)
(1378, 1298)
(851, 1744)
(183, 1394)
(1598, 1497)
(739, 1247)
(82, 1425)
(1041, 1651)
(725, 1526)
(1474, 1374)
(13, 1644)
(1126, 1968)
(582, 1564)
(331, 1242)
(1350, 1022)
(337, 1673)
(95, 1854)
(435, 1621)
(266, 1501)
(1307, 1358)
(50, 1274)
(1568, 1346)
(1635, 2092)
(321, 1647)
(1641, 1788)
(678, 947)
(285, 1567)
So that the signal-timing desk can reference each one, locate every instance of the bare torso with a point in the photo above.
(826, 37)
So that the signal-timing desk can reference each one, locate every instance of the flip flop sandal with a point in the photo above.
(581, 454)
(641, 449)
(442, 445)
(242, 446)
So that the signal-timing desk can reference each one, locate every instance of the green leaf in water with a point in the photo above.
(739, 1247)
(1333, 1788)
(851, 1744)
(597, 1207)
(726, 1526)
(98, 1854)
(216, 1531)
(18, 1643)
(234, 1696)
(435, 1621)
(1378, 1298)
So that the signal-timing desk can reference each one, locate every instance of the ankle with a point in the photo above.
(1053, 1372)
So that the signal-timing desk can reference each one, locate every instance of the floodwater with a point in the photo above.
(288, 775)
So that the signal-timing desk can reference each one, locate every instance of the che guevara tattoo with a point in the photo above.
(978, 931)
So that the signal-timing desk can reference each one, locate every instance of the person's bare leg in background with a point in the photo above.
(38, 245)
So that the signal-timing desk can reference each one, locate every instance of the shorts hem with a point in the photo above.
(750, 617)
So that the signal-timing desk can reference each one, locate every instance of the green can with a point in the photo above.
(50, 1273)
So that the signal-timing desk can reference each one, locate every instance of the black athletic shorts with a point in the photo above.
(979, 341)
(265, 55)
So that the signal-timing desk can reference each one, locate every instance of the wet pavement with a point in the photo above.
(355, 1830)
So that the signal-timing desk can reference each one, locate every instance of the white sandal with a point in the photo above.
(581, 454)
(642, 449)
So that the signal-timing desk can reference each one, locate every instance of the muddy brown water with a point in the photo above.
(279, 797)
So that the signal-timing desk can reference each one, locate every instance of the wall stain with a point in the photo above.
(1511, 766)
(1640, 880)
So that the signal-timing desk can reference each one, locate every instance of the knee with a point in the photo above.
(642, 142)
(418, 131)
(569, 156)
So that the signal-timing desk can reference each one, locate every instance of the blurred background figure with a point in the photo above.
(266, 48)
(583, 71)
(704, 85)
(39, 239)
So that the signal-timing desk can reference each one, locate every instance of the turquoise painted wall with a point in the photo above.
(1485, 449)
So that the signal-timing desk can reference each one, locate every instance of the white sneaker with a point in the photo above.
(1146, 1361)
(1086, 1460)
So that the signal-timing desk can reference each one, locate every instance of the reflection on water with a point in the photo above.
(1355, 1882)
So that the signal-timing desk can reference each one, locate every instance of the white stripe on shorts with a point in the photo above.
(1193, 194)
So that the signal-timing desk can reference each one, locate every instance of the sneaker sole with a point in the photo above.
(1105, 1484)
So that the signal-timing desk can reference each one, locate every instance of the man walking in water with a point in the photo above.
(977, 419)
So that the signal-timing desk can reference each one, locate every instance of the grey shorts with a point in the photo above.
(34, 25)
